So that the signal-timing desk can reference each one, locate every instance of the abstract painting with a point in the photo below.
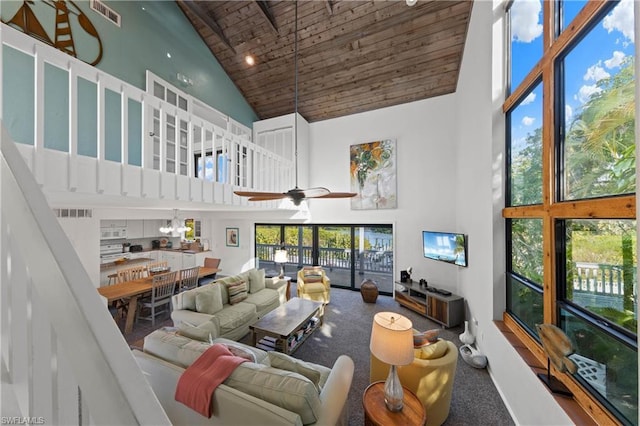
(373, 175)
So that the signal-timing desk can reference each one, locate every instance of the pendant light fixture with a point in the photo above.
(175, 227)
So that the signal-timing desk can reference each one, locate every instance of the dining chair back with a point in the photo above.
(188, 278)
(130, 274)
(151, 266)
(162, 288)
(211, 262)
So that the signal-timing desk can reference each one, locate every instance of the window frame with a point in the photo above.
(553, 209)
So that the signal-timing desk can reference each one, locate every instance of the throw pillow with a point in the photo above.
(434, 350)
(192, 332)
(421, 338)
(312, 275)
(209, 300)
(285, 362)
(237, 292)
(256, 280)
(241, 352)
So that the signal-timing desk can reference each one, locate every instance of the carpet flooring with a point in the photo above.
(347, 329)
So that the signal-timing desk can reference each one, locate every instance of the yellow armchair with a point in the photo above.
(430, 379)
(314, 284)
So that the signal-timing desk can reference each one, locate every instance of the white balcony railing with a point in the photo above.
(139, 146)
(62, 356)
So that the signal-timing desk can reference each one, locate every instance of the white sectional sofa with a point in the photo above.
(208, 311)
(256, 393)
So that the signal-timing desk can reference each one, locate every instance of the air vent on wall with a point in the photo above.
(73, 213)
(106, 11)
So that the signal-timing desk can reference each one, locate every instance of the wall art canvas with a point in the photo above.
(373, 175)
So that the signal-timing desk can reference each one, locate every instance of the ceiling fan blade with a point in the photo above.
(268, 197)
(315, 192)
(338, 195)
(258, 194)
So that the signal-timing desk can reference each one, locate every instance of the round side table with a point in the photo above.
(377, 414)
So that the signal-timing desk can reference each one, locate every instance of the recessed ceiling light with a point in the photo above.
(249, 60)
(168, 55)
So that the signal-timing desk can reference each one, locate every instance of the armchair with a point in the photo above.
(430, 379)
(314, 284)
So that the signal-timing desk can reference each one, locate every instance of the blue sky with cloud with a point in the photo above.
(599, 56)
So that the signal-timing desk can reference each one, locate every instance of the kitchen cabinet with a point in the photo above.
(113, 223)
(151, 227)
(134, 229)
(200, 257)
(189, 260)
(173, 259)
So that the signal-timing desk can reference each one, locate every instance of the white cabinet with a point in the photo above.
(151, 227)
(174, 259)
(200, 257)
(189, 260)
(134, 229)
(113, 223)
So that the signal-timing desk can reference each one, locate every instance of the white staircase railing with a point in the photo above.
(66, 361)
(141, 146)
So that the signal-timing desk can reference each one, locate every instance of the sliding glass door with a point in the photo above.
(349, 253)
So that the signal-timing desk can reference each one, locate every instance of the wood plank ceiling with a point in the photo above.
(353, 56)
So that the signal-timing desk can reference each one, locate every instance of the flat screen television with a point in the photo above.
(445, 246)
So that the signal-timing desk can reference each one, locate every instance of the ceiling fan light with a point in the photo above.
(411, 2)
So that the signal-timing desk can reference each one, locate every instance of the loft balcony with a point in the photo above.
(88, 136)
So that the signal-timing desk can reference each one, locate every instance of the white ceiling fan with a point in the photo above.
(296, 195)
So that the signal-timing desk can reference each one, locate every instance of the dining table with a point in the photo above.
(133, 289)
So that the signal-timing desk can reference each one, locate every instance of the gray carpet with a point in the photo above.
(346, 330)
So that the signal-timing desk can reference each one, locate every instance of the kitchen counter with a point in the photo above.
(125, 264)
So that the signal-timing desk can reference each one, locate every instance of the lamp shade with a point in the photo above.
(281, 256)
(392, 338)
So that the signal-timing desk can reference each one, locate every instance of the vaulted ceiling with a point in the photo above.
(353, 56)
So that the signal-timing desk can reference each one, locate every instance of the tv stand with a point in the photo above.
(447, 310)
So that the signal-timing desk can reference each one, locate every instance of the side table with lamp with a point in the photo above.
(281, 256)
(392, 343)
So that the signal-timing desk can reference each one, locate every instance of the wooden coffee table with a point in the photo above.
(285, 328)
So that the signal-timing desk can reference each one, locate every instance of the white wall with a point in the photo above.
(426, 159)
(479, 201)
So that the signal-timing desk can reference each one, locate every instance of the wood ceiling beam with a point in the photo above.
(208, 21)
(265, 9)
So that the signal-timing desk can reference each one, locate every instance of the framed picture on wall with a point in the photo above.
(232, 237)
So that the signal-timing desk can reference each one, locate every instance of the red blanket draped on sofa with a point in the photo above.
(197, 383)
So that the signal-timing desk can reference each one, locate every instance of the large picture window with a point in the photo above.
(570, 215)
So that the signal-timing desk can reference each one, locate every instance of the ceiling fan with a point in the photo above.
(296, 195)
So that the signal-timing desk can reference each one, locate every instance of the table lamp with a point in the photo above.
(281, 257)
(392, 343)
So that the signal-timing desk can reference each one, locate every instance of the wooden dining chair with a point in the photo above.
(188, 279)
(124, 275)
(211, 262)
(162, 288)
(154, 265)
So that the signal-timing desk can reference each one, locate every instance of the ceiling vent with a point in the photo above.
(73, 213)
(106, 11)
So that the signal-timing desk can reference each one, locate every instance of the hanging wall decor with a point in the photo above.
(61, 13)
(373, 175)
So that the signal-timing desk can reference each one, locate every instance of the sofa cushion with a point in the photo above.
(285, 389)
(265, 300)
(311, 371)
(432, 351)
(234, 316)
(237, 292)
(256, 280)
(209, 299)
(171, 347)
